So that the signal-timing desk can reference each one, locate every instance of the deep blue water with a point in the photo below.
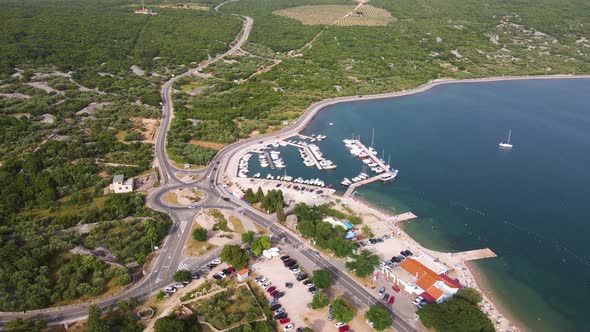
(530, 205)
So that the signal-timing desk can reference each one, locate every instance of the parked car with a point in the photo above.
(275, 306)
(221, 274)
(307, 282)
(289, 284)
(217, 277)
(196, 276)
(288, 327)
(290, 263)
(279, 295)
(391, 299)
(179, 285)
(226, 272)
(279, 311)
(216, 261)
(274, 292)
(270, 289)
(284, 321)
(296, 271)
(339, 324)
(285, 257)
(267, 284)
(386, 297)
(231, 269)
(262, 281)
(344, 328)
(293, 267)
(301, 276)
(395, 288)
(381, 291)
(311, 289)
(170, 289)
(281, 316)
(258, 278)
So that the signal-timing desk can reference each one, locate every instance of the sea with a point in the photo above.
(529, 204)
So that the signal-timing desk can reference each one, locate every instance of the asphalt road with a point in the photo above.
(170, 256)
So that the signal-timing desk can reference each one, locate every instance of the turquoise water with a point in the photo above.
(530, 205)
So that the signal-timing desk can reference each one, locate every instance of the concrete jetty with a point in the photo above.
(355, 185)
(472, 255)
(402, 217)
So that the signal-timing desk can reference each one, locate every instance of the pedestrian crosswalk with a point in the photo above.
(183, 266)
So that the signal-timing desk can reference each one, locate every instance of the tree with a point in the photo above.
(176, 324)
(379, 316)
(363, 264)
(248, 237)
(200, 234)
(306, 228)
(320, 300)
(160, 295)
(181, 275)
(250, 196)
(259, 194)
(26, 325)
(123, 305)
(280, 212)
(471, 295)
(342, 311)
(455, 314)
(321, 278)
(235, 256)
(95, 322)
(259, 244)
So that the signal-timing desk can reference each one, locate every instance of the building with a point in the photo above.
(425, 277)
(120, 185)
(242, 275)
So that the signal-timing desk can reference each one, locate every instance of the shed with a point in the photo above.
(242, 275)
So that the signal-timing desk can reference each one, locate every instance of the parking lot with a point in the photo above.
(295, 299)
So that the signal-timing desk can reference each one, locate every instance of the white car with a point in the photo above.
(266, 284)
(221, 274)
(170, 290)
(262, 281)
(339, 324)
(179, 285)
(296, 271)
(216, 261)
(288, 327)
(310, 285)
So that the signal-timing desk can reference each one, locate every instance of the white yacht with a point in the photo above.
(506, 145)
(389, 175)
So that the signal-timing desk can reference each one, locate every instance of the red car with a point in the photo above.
(395, 288)
(284, 321)
(391, 299)
(271, 289)
(343, 328)
(231, 269)
(274, 292)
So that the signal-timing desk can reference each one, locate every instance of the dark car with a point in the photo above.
(290, 263)
(217, 276)
(409, 253)
(289, 284)
(226, 272)
(196, 276)
(311, 289)
(281, 315)
(225, 199)
(285, 257)
(231, 269)
(307, 282)
(301, 276)
(273, 293)
(279, 295)
(275, 306)
(385, 297)
(293, 267)
(278, 185)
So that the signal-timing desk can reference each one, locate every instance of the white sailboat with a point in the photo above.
(506, 145)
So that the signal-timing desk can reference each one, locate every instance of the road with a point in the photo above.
(170, 256)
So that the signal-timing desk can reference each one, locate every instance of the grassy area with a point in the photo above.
(229, 308)
(237, 223)
(67, 209)
(171, 198)
(316, 15)
(197, 248)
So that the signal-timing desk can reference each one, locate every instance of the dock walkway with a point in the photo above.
(270, 161)
(355, 185)
(309, 153)
(472, 255)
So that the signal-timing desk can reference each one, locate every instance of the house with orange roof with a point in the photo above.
(417, 278)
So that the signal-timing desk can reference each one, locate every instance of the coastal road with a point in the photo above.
(170, 256)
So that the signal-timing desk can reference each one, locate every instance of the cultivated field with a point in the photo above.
(341, 15)
(367, 16)
(316, 15)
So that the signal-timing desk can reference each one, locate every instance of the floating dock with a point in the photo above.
(271, 164)
(473, 255)
(309, 153)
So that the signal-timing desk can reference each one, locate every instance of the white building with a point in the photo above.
(120, 185)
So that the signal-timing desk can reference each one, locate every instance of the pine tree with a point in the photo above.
(259, 194)
(280, 212)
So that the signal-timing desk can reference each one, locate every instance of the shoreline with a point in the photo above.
(467, 274)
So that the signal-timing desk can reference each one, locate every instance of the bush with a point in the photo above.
(181, 275)
(200, 234)
(456, 314)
